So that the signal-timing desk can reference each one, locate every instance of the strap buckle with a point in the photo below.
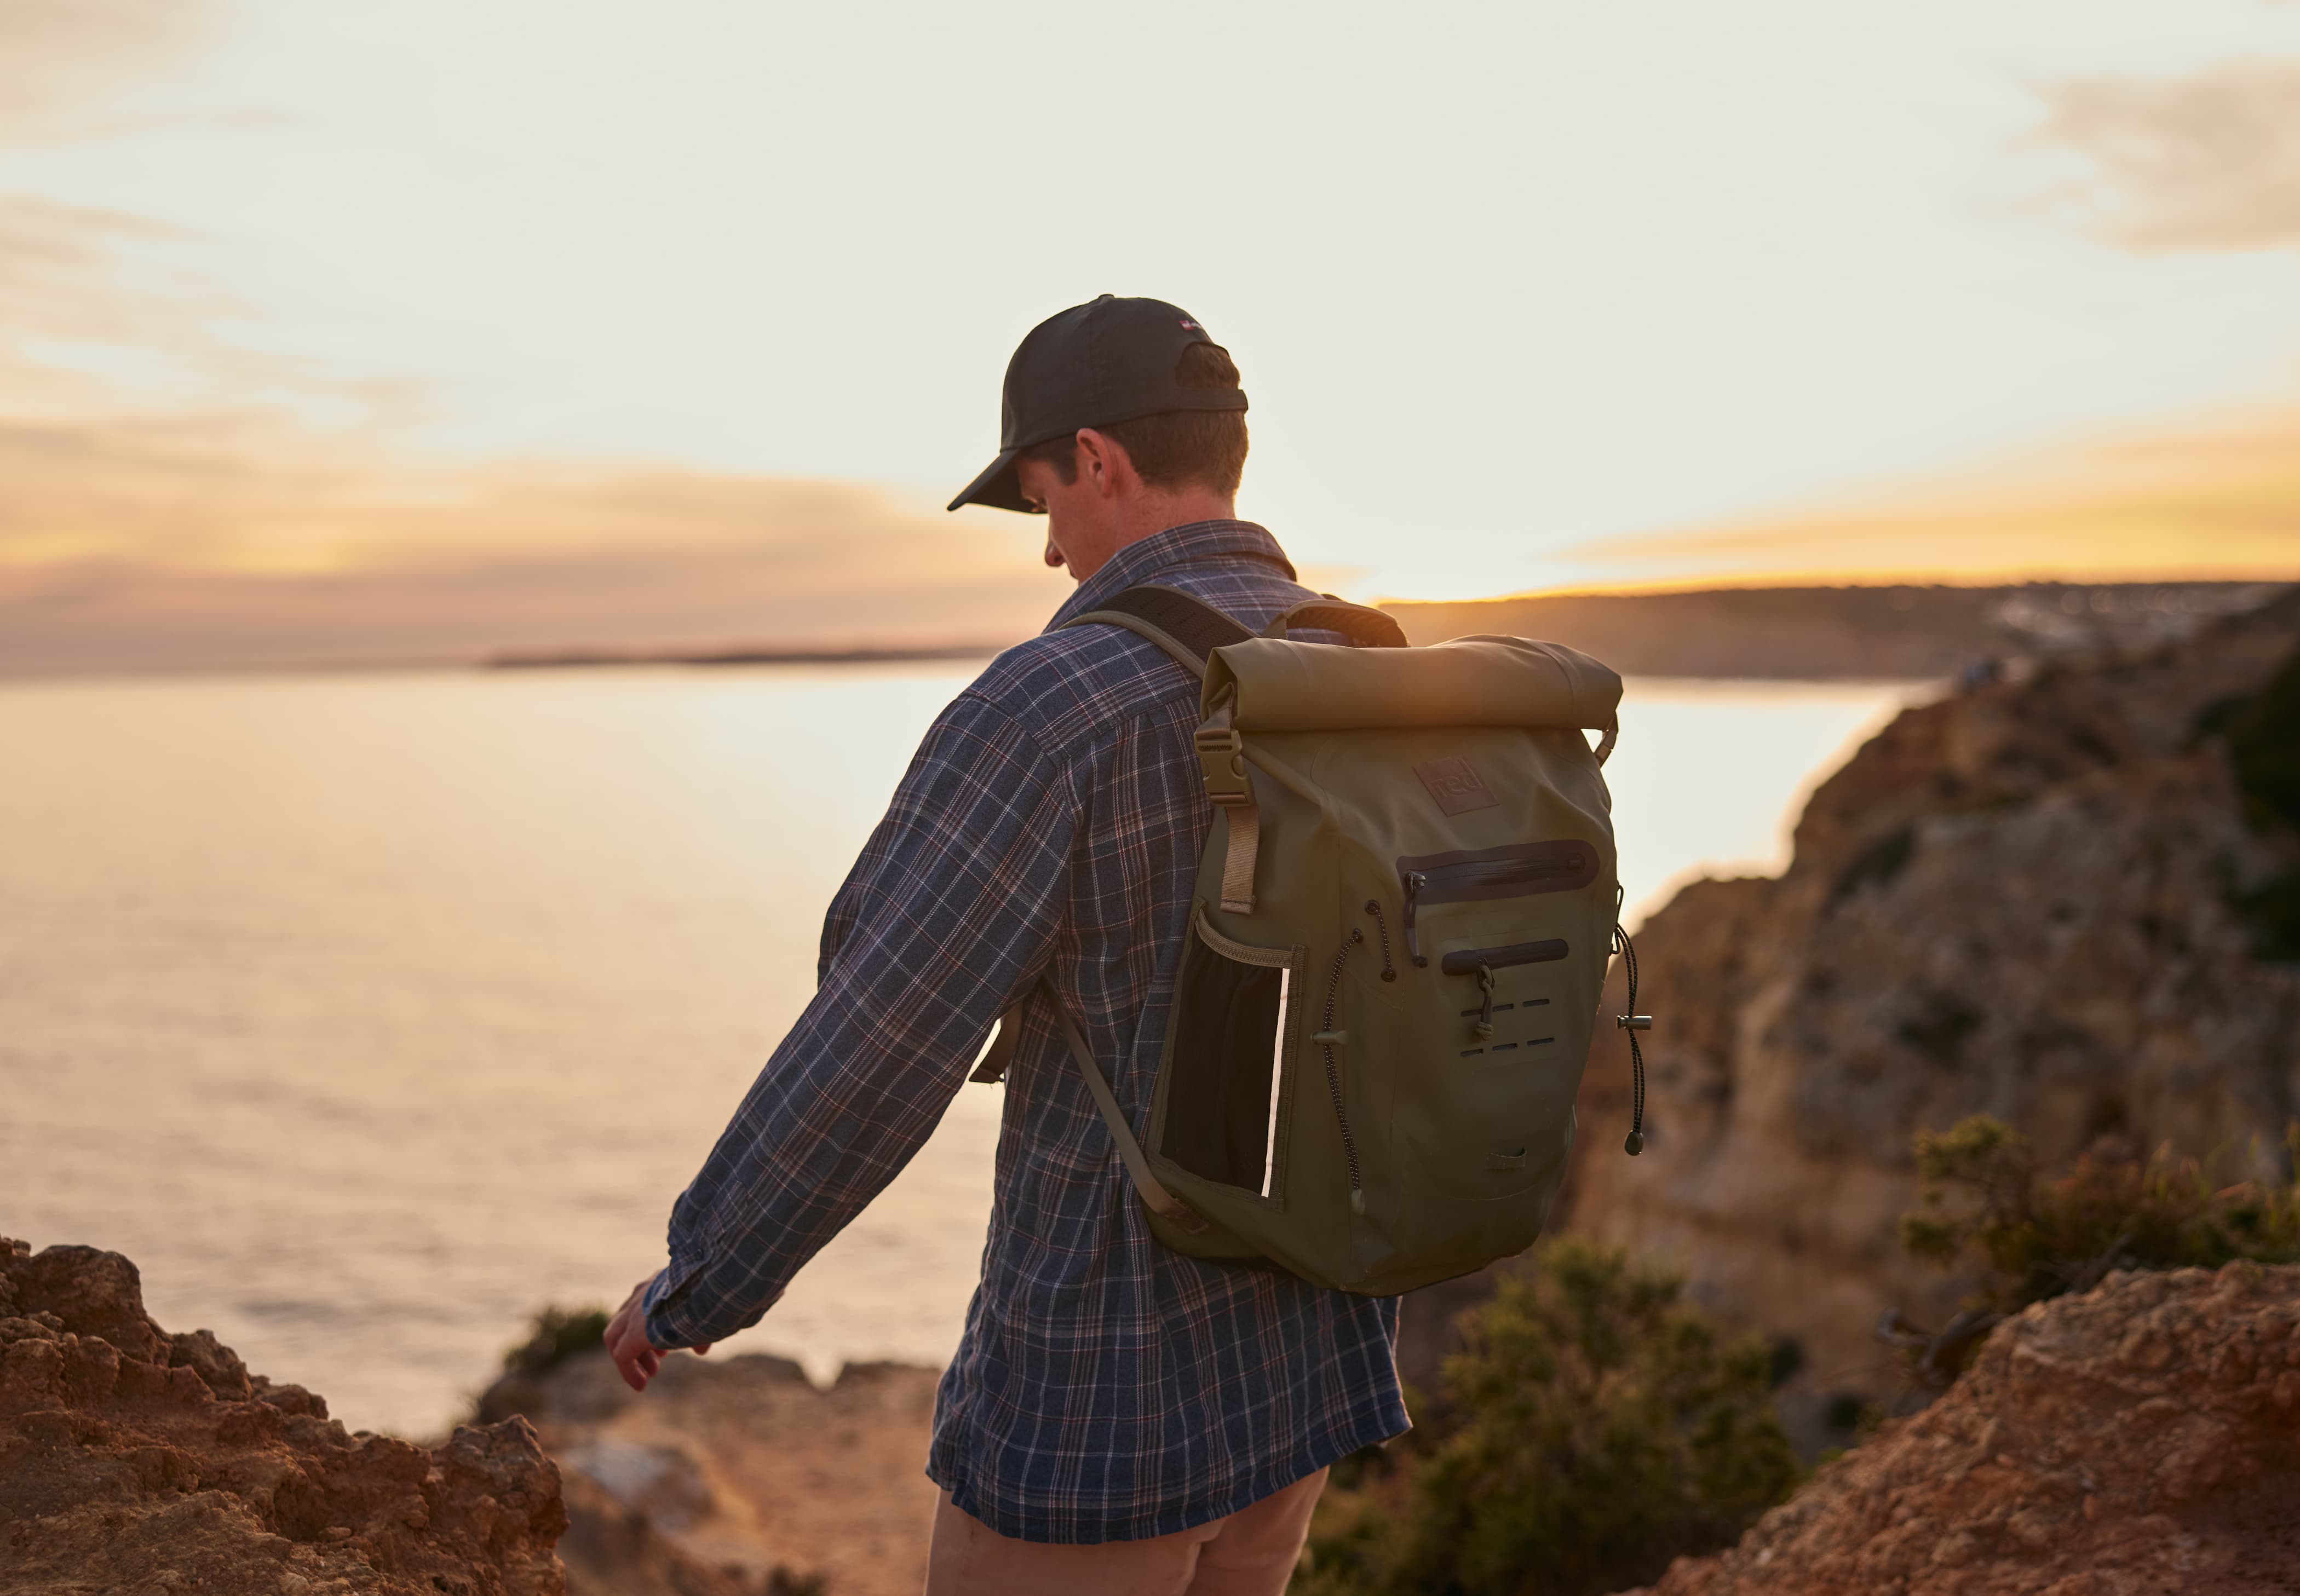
(1222, 759)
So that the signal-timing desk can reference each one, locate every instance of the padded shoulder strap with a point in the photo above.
(1186, 626)
(1367, 627)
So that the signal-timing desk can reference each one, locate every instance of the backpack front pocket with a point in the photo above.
(1520, 870)
(1229, 1059)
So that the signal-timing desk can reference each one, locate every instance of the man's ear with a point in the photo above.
(1102, 460)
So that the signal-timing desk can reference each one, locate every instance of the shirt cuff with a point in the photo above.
(666, 1325)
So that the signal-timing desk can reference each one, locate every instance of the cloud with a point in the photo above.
(60, 279)
(2214, 501)
(231, 540)
(169, 500)
(59, 60)
(97, 306)
(2210, 162)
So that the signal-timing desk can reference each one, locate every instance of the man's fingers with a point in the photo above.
(699, 1350)
(620, 1349)
(636, 1359)
(625, 1340)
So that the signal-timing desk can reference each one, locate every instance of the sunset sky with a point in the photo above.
(358, 330)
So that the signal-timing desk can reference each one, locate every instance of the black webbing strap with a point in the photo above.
(1187, 628)
(1366, 628)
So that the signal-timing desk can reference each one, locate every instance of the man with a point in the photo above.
(1119, 1417)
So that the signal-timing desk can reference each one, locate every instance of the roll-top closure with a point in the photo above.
(1273, 684)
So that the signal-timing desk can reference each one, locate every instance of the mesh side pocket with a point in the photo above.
(1226, 1074)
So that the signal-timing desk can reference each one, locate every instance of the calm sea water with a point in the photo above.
(368, 1013)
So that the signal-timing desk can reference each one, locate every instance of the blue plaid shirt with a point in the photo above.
(1106, 1388)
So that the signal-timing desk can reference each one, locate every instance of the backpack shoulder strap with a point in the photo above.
(1154, 1192)
(1366, 628)
(1185, 625)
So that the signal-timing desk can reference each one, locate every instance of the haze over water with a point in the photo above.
(368, 1013)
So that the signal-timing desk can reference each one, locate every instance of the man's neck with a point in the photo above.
(1153, 513)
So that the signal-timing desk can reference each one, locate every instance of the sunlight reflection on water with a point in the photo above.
(368, 1013)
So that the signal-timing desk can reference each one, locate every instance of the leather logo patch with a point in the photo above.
(1455, 784)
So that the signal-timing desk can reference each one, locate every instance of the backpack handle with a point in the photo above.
(1367, 627)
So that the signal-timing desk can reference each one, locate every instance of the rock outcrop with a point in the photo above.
(2142, 1438)
(734, 1477)
(2023, 900)
(133, 1460)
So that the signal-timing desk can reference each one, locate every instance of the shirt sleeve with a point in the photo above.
(948, 917)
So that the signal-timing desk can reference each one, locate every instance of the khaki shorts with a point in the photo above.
(1250, 1553)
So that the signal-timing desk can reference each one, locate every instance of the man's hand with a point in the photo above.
(636, 1359)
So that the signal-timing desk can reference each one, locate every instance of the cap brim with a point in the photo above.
(998, 487)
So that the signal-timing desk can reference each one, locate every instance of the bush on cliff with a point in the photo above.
(2263, 745)
(1600, 1427)
(2264, 737)
(555, 1336)
(1983, 1199)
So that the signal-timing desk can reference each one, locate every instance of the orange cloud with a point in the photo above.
(2207, 161)
(227, 541)
(60, 59)
(2219, 500)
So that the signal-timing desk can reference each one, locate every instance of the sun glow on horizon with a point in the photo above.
(597, 328)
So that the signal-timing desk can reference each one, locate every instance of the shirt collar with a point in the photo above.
(1164, 553)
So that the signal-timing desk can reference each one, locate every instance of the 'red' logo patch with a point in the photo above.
(1456, 784)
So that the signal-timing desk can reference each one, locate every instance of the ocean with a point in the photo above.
(368, 1013)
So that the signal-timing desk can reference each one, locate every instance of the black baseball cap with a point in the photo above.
(1094, 365)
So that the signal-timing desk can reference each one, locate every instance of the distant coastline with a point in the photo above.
(1843, 633)
(570, 658)
(1898, 632)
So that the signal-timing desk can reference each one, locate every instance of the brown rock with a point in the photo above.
(737, 1469)
(2015, 901)
(93, 1293)
(132, 1460)
(2142, 1438)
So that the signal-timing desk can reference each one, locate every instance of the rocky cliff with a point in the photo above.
(2143, 1437)
(2026, 900)
(134, 1460)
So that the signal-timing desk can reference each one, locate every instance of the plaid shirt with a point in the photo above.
(1106, 1388)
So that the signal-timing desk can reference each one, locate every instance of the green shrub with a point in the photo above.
(555, 1336)
(1600, 1428)
(1983, 1199)
(2263, 745)
(2263, 738)
(2272, 912)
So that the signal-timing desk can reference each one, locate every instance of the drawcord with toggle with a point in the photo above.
(1486, 1012)
(1632, 1022)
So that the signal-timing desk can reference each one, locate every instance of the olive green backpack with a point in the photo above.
(1390, 978)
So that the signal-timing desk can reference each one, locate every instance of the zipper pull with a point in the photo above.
(1381, 924)
(1486, 1014)
(1414, 881)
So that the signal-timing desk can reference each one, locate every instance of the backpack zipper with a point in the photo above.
(1537, 867)
(1333, 1075)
